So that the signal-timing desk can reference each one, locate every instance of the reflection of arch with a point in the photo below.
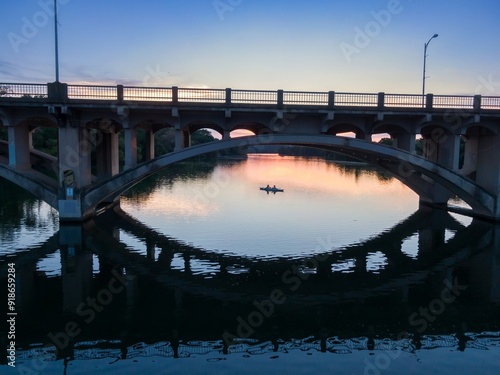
(360, 284)
(316, 303)
(407, 167)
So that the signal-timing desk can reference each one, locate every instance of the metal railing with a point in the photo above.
(23, 90)
(147, 93)
(202, 95)
(358, 100)
(490, 102)
(174, 95)
(449, 101)
(254, 97)
(404, 101)
(305, 98)
(92, 92)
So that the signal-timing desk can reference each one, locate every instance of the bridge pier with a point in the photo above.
(182, 139)
(19, 147)
(470, 156)
(404, 141)
(149, 147)
(74, 154)
(130, 146)
(488, 166)
(443, 149)
(107, 156)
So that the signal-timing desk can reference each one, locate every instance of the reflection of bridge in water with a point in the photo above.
(178, 293)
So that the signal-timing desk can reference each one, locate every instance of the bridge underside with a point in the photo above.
(432, 182)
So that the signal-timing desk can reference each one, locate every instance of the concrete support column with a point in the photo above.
(107, 156)
(130, 146)
(488, 166)
(19, 147)
(449, 151)
(74, 154)
(149, 147)
(364, 136)
(429, 148)
(442, 148)
(74, 169)
(226, 135)
(404, 141)
(182, 139)
(436, 194)
(470, 156)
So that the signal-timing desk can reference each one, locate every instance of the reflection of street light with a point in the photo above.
(425, 57)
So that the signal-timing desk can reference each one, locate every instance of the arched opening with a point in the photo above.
(164, 140)
(240, 133)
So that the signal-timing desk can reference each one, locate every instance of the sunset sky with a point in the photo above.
(341, 45)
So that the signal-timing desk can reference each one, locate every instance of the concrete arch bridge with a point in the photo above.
(90, 118)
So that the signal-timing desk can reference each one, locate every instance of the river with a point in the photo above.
(198, 271)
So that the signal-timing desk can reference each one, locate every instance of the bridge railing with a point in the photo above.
(306, 98)
(146, 93)
(253, 96)
(404, 101)
(191, 95)
(23, 90)
(62, 92)
(490, 102)
(92, 92)
(354, 99)
(449, 101)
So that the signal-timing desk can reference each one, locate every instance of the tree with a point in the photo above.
(385, 141)
(4, 90)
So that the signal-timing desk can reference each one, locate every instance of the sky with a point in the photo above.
(315, 45)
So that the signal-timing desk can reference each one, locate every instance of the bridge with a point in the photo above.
(460, 135)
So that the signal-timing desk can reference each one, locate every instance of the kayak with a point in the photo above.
(274, 190)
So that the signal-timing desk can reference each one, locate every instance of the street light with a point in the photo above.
(423, 77)
(56, 39)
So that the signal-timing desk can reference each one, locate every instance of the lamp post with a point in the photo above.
(423, 77)
(56, 41)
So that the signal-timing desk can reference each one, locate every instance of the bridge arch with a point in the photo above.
(483, 128)
(344, 127)
(390, 129)
(33, 122)
(407, 167)
(254, 127)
